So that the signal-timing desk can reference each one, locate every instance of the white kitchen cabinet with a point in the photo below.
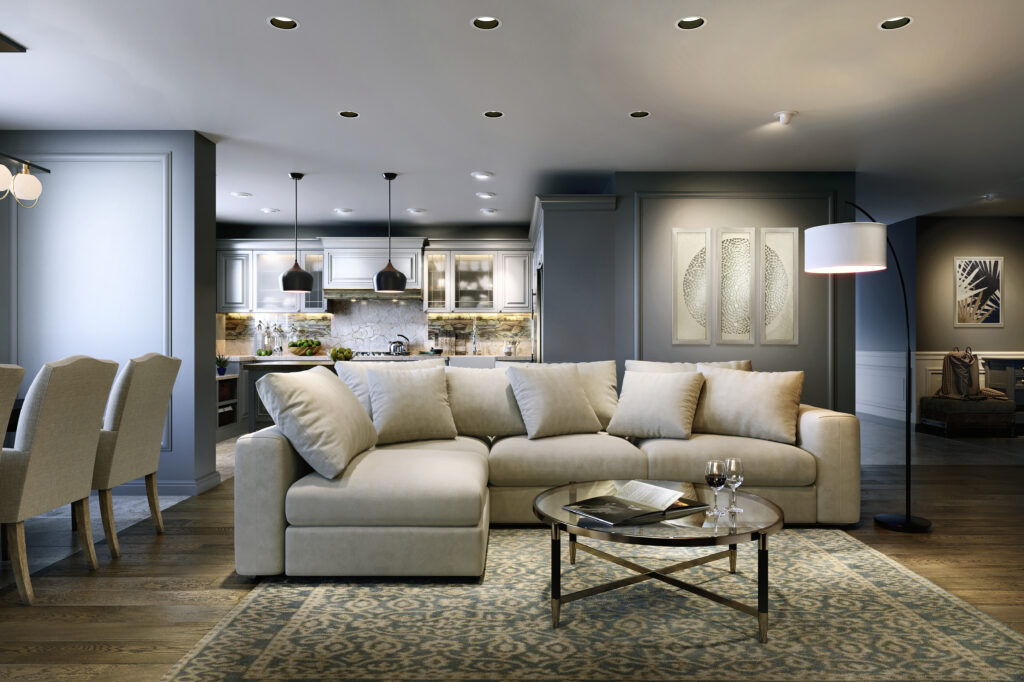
(516, 277)
(352, 262)
(267, 295)
(475, 281)
(437, 288)
(313, 263)
(234, 281)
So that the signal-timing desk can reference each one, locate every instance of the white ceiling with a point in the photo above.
(931, 115)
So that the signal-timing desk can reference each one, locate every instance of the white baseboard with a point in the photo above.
(182, 488)
(881, 379)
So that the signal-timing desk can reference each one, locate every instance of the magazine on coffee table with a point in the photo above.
(637, 502)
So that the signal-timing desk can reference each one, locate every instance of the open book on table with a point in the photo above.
(639, 502)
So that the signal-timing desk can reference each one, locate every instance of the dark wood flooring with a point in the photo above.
(136, 616)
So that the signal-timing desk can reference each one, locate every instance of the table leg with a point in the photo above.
(556, 574)
(732, 558)
(572, 548)
(762, 587)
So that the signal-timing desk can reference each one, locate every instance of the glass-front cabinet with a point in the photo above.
(437, 294)
(313, 263)
(475, 281)
(267, 269)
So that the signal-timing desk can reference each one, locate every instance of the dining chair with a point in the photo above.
(10, 382)
(133, 427)
(54, 451)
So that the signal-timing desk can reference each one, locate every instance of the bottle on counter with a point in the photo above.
(257, 338)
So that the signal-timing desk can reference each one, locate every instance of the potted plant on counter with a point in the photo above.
(222, 364)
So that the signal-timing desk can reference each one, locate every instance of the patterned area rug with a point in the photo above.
(839, 610)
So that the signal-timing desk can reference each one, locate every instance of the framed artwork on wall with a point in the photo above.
(778, 279)
(691, 286)
(978, 283)
(734, 248)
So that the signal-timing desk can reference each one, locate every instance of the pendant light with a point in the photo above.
(389, 280)
(296, 280)
(23, 185)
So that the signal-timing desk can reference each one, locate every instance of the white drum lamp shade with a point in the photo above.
(25, 186)
(845, 248)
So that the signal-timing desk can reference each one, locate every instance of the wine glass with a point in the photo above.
(733, 478)
(714, 475)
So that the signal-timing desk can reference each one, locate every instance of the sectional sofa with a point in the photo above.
(424, 459)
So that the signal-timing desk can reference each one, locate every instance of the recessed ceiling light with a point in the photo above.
(493, 114)
(241, 195)
(348, 114)
(486, 195)
(283, 23)
(784, 117)
(482, 175)
(894, 23)
(343, 211)
(990, 196)
(486, 23)
(488, 211)
(639, 114)
(690, 23)
(270, 210)
(415, 211)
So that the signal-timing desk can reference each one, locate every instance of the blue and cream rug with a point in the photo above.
(839, 611)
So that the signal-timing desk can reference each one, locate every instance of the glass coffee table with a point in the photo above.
(759, 519)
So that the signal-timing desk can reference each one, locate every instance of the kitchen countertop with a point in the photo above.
(284, 362)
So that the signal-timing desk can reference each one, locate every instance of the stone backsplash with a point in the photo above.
(454, 332)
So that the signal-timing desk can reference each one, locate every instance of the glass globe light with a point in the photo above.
(26, 187)
(5, 180)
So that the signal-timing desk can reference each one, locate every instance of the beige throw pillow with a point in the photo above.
(600, 383)
(552, 401)
(319, 415)
(410, 404)
(483, 403)
(353, 373)
(649, 366)
(657, 404)
(761, 405)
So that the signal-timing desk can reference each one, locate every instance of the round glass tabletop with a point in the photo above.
(759, 516)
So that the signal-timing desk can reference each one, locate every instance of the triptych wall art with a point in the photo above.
(979, 288)
(735, 285)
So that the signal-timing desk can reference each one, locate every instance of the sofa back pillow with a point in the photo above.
(320, 415)
(649, 366)
(600, 383)
(483, 403)
(552, 400)
(354, 375)
(657, 404)
(761, 405)
(410, 404)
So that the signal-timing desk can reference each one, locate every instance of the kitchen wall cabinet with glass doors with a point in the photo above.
(249, 277)
(476, 279)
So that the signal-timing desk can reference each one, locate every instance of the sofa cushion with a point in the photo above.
(457, 444)
(656, 404)
(483, 403)
(600, 383)
(552, 401)
(764, 462)
(648, 366)
(410, 404)
(394, 487)
(353, 373)
(319, 415)
(519, 461)
(753, 404)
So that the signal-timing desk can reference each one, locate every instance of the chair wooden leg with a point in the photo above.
(15, 535)
(154, 502)
(80, 510)
(109, 529)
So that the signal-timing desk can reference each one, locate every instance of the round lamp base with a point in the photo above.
(903, 523)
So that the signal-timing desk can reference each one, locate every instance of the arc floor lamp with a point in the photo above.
(844, 248)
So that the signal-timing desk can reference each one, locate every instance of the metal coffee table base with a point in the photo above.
(662, 574)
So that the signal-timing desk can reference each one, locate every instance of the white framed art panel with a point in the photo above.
(692, 303)
(735, 276)
(778, 277)
(978, 291)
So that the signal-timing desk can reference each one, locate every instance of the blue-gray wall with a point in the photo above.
(881, 325)
(116, 260)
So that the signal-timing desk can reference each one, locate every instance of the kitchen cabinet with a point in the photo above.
(516, 274)
(266, 275)
(475, 281)
(234, 283)
(471, 280)
(437, 290)
(314, 301)
(352, 262)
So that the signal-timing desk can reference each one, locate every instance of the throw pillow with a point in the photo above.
(483, 403)
(648, 366)
(410, 404)
(600, 383)
(657, 404)
(761, 405)
(354, 374)
(552, 400)
(320, 415)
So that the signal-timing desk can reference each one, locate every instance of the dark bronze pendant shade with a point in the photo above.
(296, 280)
(389, 280)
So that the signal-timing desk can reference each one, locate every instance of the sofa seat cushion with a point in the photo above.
(555, 460)
(400, 486)
(458, 444)
(764, 462)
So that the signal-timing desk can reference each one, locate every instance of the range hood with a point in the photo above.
(371, 295)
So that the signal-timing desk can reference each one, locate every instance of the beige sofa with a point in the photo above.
(424, 507)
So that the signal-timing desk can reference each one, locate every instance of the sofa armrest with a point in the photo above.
(834, 440)
(266, 465)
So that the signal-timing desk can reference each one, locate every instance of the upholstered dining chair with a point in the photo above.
(10, 382)
(133, 427)
(54, 451)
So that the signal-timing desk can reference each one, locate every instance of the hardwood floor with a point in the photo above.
(137, 615)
